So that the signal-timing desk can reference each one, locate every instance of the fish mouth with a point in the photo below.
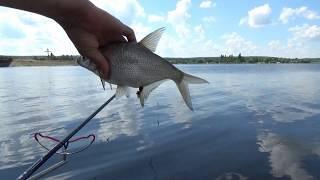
(84, 62)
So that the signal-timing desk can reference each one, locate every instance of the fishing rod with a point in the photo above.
(26, 174)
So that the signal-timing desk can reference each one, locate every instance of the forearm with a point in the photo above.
(44, 7)
(55, 9)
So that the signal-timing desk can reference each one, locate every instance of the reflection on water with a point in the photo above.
(231, 176)
(286, 156)
(250, 122)
(124, 120)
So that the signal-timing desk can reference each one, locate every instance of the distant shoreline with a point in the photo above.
(32, 62)
(17, 61)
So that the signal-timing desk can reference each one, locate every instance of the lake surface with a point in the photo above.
(250, 122)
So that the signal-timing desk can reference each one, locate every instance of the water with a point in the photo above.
(251, 121)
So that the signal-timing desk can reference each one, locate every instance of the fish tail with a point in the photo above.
(184, 88)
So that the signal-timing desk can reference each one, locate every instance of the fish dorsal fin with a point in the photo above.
(152, 39)
(122, 90)
(148, 89)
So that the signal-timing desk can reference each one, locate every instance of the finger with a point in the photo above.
(120, 38)
(112, 39)
(109, 38)
(129, 33)
(101, 62)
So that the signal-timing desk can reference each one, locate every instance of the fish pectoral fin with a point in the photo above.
(122, 90)
(151, 40)
(146, 90)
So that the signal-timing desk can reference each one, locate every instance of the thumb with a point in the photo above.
(99, 60)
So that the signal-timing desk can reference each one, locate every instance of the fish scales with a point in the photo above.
(136, 66)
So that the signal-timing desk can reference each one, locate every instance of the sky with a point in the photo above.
(194, 28)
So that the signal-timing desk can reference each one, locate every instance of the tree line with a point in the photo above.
(230, 59)
(223, 59)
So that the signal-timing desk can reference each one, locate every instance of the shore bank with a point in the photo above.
(32, 62)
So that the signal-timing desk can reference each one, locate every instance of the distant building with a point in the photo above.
(5, 61)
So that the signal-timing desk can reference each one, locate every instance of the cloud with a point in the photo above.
(235, 44)
(302, 41)
(291, 13)
(10, 31)
(171, 45)
(155, 18)
(208, 19)
(24, 33)
(300, 44)
(197, 46)
(199, 30)
(243, 21)
(306, 32)
(178, 17)
(126, 10)
(141, 30)
(291, 48)
(188, 40)
(31, 37)
(274, 45)
(207, 4)
(258, 17)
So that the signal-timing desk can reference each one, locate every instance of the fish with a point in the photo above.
(135, 65)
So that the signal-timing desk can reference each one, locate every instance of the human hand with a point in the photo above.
(91, 28)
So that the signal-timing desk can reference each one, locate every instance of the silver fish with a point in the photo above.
(136, 65)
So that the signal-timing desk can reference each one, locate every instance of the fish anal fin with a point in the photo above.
(146, 90)
(151, 40)
(122, 90)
